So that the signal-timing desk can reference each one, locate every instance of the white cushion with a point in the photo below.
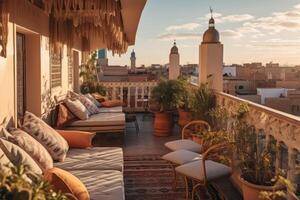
(181, 157)
(96, 158)
(214, 170)
(106, 184)
(101, 119)
(91, 107)
(183, 144)
(116, 109)
(92, 98)
(77, 108)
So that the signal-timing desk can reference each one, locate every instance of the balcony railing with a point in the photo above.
(135, 95)
(283, 127)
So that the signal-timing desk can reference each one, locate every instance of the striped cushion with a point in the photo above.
(92, 108)
(77, 108)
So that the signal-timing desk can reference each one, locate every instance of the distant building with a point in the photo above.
(211, 58)
(271, 64)
(132, 61)
(174, 60)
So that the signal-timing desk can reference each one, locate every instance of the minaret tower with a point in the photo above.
(211, 58)
(174, 70)
(133, 61)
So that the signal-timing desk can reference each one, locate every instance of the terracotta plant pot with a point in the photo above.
(197, 139)
(251, 191)
(162, 124)
(184, 117)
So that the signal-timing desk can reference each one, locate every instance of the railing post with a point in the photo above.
(128, 97)
(113, 95)
(291, 169)
(143, 96)
(121, 93)
(136, 96)
(278, 157)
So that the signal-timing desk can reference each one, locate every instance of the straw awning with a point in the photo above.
(110, 24)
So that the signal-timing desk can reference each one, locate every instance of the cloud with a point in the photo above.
(179, 36)
(188, 26)
(276, 43)
(220, 18)
(277, 22)
(237, 18)
(231, 33)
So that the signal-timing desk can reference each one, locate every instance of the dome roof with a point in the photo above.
(211, 35)
(174, 49)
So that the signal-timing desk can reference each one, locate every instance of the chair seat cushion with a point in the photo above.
(102, 184)
(214, 170)
(181, 157)
(101, 119)
(184, 144)
(116, 109)
(97, 158)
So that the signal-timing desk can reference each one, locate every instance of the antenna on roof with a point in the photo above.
(211, 11)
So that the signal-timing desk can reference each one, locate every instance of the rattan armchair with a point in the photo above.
(197, 126)
(212, 166)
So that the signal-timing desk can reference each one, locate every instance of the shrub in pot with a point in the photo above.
(185, 105)
(256, 158)
(203, 101)
(167, 95)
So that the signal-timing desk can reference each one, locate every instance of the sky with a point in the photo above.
(250, 30)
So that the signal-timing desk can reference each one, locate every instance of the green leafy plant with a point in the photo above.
(15, 184)
(257, 159)
(168, 94)
(276, 194)
(88, 73)
(219, 118)
(203, 102)
(186, 96)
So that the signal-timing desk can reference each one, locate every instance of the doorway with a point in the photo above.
(21, 74)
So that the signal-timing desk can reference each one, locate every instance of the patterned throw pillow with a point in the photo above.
(77, 108)
(64, 116)
(55, 144)
(92, 108)
(18, 156)
(90, 97)
(32, 147)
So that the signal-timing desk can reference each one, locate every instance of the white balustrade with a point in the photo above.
(133, 91)
(283, 127)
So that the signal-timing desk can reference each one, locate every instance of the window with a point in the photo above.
(56, 67)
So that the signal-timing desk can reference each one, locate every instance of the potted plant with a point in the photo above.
(256, 159)
(185, 106)
(167, 96)
(203, 101)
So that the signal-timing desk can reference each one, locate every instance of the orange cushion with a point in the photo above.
(99, 97)
(77, 139)
(64, 116)
(67, 183)
(111, 103)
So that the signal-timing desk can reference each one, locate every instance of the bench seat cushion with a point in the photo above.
(116, 109)
(101, 119)
(102, 184)
(97, 158)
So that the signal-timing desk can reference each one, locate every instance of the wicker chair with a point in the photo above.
(203, 171)
(186, 142)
